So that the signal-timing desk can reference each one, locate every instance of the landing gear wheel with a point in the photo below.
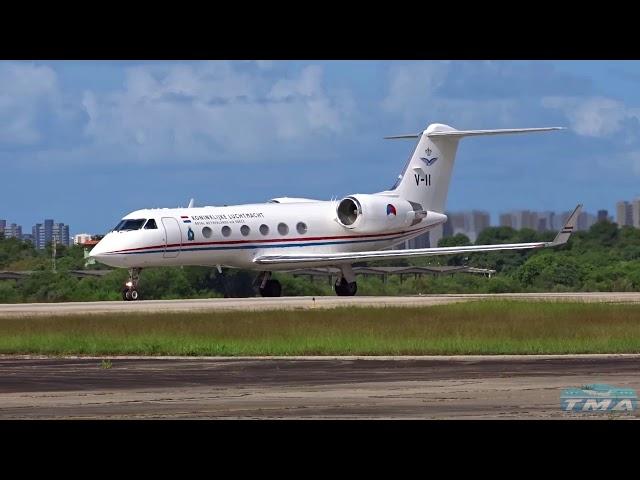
(130, 294)
(130, 289)
(272, 288)
(345, 289)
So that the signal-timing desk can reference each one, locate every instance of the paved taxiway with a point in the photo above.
(296, 303)
(342, 388)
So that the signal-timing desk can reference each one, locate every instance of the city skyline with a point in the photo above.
(41, 233)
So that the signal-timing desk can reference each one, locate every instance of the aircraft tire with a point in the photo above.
(345, 289)
(271, 289)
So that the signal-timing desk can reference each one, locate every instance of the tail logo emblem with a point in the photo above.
(391, 210)
(428, 161)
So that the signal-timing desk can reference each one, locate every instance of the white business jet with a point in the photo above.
(293, 233)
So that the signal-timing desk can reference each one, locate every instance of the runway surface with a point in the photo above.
(296, 303)
(316, 388)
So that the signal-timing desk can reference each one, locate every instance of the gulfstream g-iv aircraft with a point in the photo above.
(290, 233)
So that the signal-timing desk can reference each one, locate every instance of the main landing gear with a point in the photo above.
(346, 285)
(130, 289)
(267, 286)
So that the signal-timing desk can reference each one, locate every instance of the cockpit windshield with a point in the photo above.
(129, 224)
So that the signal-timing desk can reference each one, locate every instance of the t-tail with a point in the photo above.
(426, 176)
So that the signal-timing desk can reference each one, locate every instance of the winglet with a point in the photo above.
(568, 228)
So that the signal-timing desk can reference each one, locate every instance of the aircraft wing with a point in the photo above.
(349, 257)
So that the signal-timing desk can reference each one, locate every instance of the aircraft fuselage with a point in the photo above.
(234, 235)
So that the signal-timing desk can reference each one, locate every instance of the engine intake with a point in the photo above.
(348, 211)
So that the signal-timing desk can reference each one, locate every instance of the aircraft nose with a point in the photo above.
(97, 252)
(105, 252)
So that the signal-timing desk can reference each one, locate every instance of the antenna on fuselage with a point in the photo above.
(190, 203)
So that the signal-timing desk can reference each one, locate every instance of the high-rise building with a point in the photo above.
(60, 232)
(457, 222)
(603, 215)
(506, 220)
(635, 213)
(13, 231)
(3, 224)
(35, 233)
(45, 233)
(524, 219)
(585, 220)
(546, 221)
(479, 221)
(467, 223)
(624, 213)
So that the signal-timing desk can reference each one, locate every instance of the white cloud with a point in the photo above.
(412, 86)
(592, 116)
(26, 90)
(418, 94)
(213, 111)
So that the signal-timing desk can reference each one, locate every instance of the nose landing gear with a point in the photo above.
(130, 289)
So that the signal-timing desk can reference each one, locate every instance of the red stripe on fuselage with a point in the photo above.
(275, 240)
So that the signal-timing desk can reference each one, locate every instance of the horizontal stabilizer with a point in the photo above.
(471, 133)
(477, 133)
(399, 137)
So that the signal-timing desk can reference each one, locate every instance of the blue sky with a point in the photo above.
(86, 142)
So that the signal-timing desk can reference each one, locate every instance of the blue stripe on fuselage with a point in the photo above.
(256, 247)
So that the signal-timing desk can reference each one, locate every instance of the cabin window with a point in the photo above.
(301, 227)
(207, 232)
(151, 225)
(245, 230)
(283, 228)
(226, 231)
(264, 229)
(130, 225)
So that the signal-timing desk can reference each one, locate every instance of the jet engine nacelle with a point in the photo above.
(376, 213)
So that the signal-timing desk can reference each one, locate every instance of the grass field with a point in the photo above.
(484, 327)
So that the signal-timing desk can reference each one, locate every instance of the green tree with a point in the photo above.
(548, 271)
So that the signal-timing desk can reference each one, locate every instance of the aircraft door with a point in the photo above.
(172, 237)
